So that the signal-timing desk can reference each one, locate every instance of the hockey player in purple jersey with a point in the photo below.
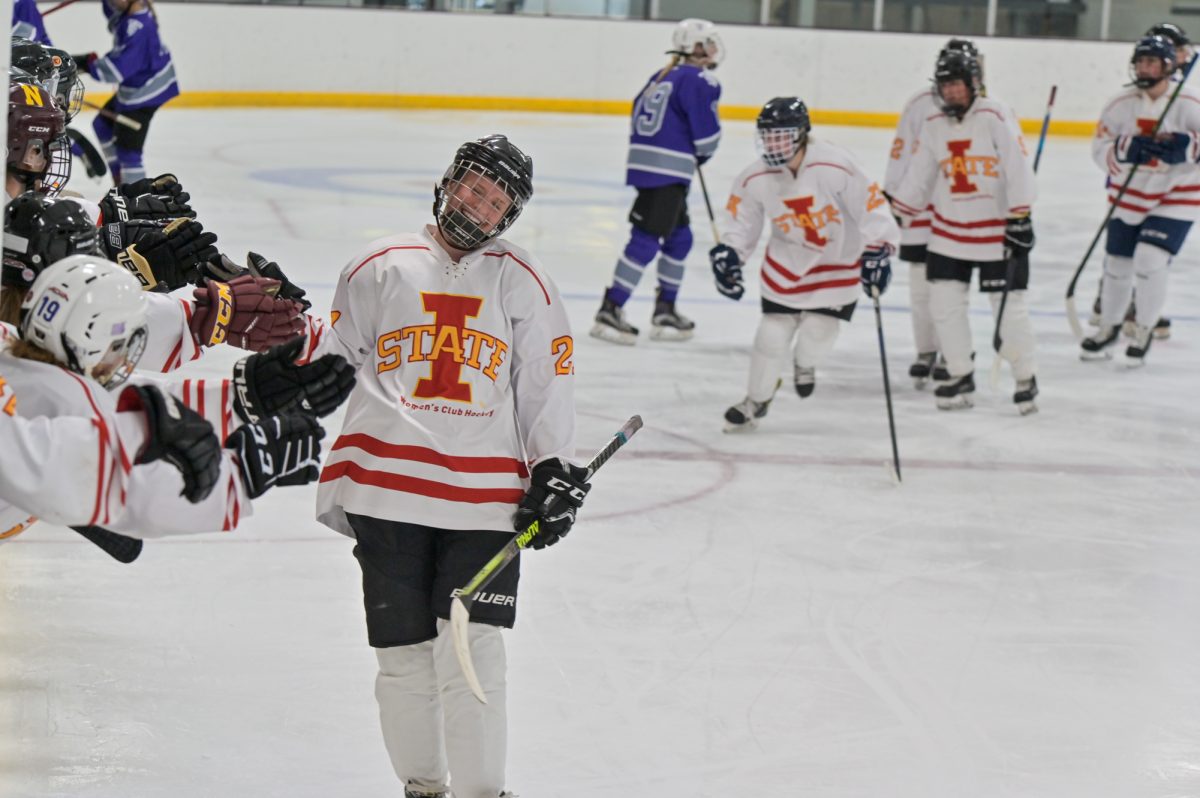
(674, 130)
(27, 22)
(145, 76)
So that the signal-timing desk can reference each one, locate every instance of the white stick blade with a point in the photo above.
(460, 617)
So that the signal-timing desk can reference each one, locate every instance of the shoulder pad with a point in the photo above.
(710, 77)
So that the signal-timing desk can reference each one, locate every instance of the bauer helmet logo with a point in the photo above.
(224, 314)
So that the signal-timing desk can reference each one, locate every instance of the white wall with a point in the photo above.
(305, 49)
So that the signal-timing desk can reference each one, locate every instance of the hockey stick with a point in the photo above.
(708, 205)
(1010, 271)
(887, 386)
(1072, 312)
(120, 547)
(93, 161)
(113, 116)
(460, 605)
(59, 7)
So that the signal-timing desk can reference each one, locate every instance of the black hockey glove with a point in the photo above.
(178, 435)
(1018, 236)
(156, 199)
(876, 269)
(282, 450)
(222, 269)
(162, 258)
(727, 269)
(271, 383)
(1136, 149)
(556, 490)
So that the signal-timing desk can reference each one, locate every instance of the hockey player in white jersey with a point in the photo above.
(1163, 200)
(972, 168)
(830, 232)
(914, 236)
(463, 416)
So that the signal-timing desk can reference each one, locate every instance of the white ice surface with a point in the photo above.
(734, 615)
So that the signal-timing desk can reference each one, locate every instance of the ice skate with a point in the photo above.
(806, 381)
(1027, 391)
(415, 793)
(940, 373)
(1129, 326)
(611, 325)
(1094, 319)
(957, 393)
(922, 369)
(668, 324)
(1135, 353)
(1162, 330)
(1099, 346)
(745, 414)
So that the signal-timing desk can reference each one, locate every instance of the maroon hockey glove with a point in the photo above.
(245, 313)
(556, 491)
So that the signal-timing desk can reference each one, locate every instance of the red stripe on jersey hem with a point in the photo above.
(421, 454)
(1129, 206)
(1148, 196)
(804, 289)
(827, 163)
(532, 273)
(937, 231)
(382, 252)
(760, 174)
(968, 225)
(420, 487)
(98, 420)
(1180, 202)
(919, 223)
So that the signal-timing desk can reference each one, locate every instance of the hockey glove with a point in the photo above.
(282, 450)
(271, 383)
(245, 313)
(85, 60)
(876, 263)
(727, 269)
(1136, 149)
(220, 267)
(556, 492)
(155, 199)
(162, 258)
(179, 435)
(1018, 236)
(1173, 148)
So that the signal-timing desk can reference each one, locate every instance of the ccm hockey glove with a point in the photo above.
(179, 435)
(245, 313)
(282, 450)
(727, 269)
(556, 491)
(876, 263)
(162, 258)
(270, 383)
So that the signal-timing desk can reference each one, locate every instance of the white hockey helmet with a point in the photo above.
(90, 314)
(690, 32)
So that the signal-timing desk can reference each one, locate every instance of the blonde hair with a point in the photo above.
(675, 61)
(25, 350)
(10, 305)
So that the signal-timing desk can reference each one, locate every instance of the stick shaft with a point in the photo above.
(712, 219)
(58, 7)
(887, 385)
(120, 119)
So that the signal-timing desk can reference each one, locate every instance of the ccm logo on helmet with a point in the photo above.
(38, 129)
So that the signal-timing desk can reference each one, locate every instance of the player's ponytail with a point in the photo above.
(27, 350)
(10, 305)
(676, 59)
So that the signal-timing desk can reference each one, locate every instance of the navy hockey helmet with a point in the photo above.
(954, 65)
(1170, 31)
(469, 204)
(1154, 46)
(783, 127)
(42, 230)
(39, 154)
(965, 46)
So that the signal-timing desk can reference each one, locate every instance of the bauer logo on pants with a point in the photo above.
(498, 599)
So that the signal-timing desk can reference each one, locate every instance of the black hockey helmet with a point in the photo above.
(965, 46)
(783, 125)
(32, 57)
(53, 69)
(497, 161)
(955, 65)
(1154, 46)
(1171, 32)
(41, 230)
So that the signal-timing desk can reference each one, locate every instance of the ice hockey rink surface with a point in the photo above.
(734, 615)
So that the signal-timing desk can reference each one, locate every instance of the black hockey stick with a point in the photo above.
(120, 547)
(93, 161)
(1010, 271)
(887, 385)
(708, 205)
(464, 597)
(1072, 313)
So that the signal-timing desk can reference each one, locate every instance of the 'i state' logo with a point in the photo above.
(803, 216)
(960, 167)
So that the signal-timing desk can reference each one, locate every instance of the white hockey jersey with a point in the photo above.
(465, 380)
(1159, 189)
(71, 463)
(821, 220)
(922, 106)
(975, 173)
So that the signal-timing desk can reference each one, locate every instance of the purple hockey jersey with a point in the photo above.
(27, 22)
(674, 125)
(139, 63)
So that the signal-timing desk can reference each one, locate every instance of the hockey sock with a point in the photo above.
(1016, 333)
(410, 712)
(948, 301)
(924, 333)
(476, 734)
(130, 164)
(815, 336)
(1150, 273)
(771, 345)
(640, 250)
(1116, 290)
(108, 144)
(675, 249)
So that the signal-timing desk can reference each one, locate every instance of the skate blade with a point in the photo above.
(1027, 408)
(1131, 363)
(1094, 357)
(736, 429)
(1161, 335)
(606, 333)
(920, 382)
(956, 403)
(670, 334)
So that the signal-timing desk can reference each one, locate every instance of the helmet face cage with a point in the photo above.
(474, 205)
(778, 145)
(59, 170)
(953, 66)
(1155, 46)
(112, 367)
